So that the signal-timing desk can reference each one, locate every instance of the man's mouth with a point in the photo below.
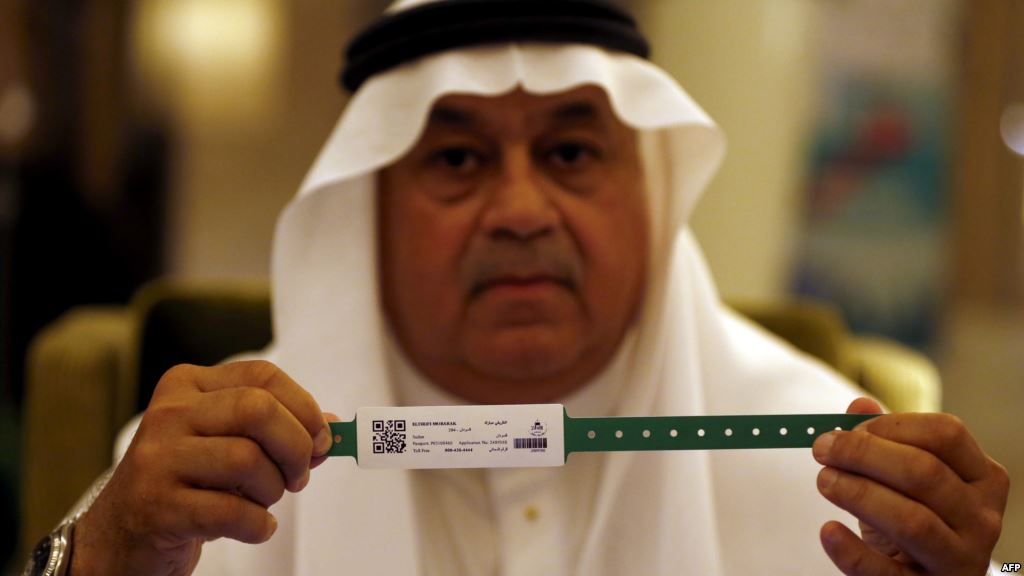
(522, 284)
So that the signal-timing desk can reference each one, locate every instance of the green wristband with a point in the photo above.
(702, 432)
(545, 435)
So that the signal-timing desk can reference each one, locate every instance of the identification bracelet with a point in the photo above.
(530, 435)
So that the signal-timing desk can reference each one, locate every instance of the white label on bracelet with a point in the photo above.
(504, 436)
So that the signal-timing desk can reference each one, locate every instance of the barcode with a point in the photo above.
(389, 436)
(530, 442)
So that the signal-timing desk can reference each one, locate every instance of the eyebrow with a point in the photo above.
(572, 112)
(576, 111)
(449, 116)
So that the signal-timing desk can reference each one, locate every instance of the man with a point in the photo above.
(500, 217)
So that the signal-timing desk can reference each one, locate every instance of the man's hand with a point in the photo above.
(216, 448)
(929, 500)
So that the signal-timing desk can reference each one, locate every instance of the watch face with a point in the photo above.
(41, 556)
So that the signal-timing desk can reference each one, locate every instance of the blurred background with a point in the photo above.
(875, 162)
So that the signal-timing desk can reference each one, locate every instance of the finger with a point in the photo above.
(265, 375)
(254, 413)
(996, 486)
(318, 460)
(944, 435)
(915, 529)
(210, 514)
(231, 464)
(855, 558)
(909, 470)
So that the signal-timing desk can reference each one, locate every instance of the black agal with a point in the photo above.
(446, 24)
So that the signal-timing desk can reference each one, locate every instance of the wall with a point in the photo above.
(748, 65)
(247, 128)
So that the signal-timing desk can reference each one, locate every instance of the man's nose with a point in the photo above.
(519, 205)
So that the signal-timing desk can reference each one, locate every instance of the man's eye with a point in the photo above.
(572, 155)
(458, 159)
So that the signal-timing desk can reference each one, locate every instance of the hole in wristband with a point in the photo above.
(618, 433)
(591, 434)
(337, 438)
(810, 430)
(757, 431)
(673, 432)
(783, 431)
(728, 431)
(647, 433)
(700, 432)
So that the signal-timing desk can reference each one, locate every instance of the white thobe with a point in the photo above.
(507, 521)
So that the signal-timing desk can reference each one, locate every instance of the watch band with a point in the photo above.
(66, 535)
(545, 435)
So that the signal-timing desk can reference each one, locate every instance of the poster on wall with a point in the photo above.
(879, 170)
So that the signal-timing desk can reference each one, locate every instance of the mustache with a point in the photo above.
(494, 262)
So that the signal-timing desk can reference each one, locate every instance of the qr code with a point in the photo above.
(389, 436)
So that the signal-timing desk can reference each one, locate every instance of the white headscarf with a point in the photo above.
(664, 513)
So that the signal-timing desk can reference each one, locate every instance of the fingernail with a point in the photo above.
(823, 445)
(827, 477)
(273, 526)
(322, 443)
(303, 482)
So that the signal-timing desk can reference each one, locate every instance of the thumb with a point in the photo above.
(864, 405)
(330, 417)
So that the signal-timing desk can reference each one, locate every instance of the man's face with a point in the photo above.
(514, 243)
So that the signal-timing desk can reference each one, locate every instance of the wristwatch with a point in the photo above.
(52, 556)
